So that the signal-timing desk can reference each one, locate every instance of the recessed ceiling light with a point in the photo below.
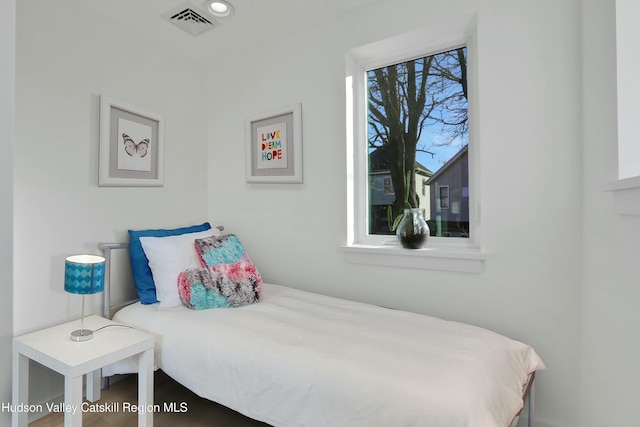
(218, 8)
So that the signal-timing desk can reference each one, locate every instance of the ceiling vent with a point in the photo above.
(190, 19)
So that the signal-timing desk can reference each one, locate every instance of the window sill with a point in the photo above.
(626, 195)
(446, 259)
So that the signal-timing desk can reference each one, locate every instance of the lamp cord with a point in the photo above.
(108, 326)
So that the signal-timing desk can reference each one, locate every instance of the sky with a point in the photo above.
(441, 153)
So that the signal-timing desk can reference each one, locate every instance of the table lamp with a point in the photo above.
(83, 274)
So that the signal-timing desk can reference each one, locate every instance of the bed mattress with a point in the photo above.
(302, 359)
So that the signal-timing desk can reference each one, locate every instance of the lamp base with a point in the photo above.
(81, 335)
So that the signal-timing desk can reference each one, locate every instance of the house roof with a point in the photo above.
(378, 165)
(448, 164)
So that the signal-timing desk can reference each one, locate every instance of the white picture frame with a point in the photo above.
(274, 146)
(131, 146)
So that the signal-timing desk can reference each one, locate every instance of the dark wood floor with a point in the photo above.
(199, 412)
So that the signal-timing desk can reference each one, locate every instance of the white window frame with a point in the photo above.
(442, 253)
(625, 183)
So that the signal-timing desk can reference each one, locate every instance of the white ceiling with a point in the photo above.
(254, 23)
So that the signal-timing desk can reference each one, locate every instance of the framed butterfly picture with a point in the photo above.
(131, 146)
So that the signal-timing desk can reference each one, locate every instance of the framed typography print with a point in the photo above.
(274, 146)
(131, 145)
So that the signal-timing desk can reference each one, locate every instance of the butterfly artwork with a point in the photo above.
(131, 148)
(135, 152)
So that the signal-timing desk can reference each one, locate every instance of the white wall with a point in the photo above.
(7, 112)
(530, 115)
(66, 57)
(611, 295)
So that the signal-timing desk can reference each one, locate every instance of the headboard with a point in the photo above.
(116, 298)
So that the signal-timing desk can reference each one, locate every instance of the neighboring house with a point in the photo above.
(449, 187)
(382, 194)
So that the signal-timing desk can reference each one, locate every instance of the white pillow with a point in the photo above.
(168, 257)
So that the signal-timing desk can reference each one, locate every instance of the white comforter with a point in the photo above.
(302, 359)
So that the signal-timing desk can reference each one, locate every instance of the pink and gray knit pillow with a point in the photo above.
(228, 277)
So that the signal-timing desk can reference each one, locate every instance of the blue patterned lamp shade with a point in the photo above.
(84, 274)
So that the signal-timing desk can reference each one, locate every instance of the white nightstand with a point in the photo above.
(54, 348)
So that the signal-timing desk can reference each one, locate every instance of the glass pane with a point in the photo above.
(418, 143)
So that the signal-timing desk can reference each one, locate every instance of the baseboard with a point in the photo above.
(59, 399)
(56, 400)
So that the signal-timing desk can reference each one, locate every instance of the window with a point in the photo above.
(626, 185)
(417, 132)
(410, 142)
(627, 33)
(388, 188)
(443, 191)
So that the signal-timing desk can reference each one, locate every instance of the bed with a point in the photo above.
(296, 358)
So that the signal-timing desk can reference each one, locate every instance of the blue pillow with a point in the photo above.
(142, 277)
